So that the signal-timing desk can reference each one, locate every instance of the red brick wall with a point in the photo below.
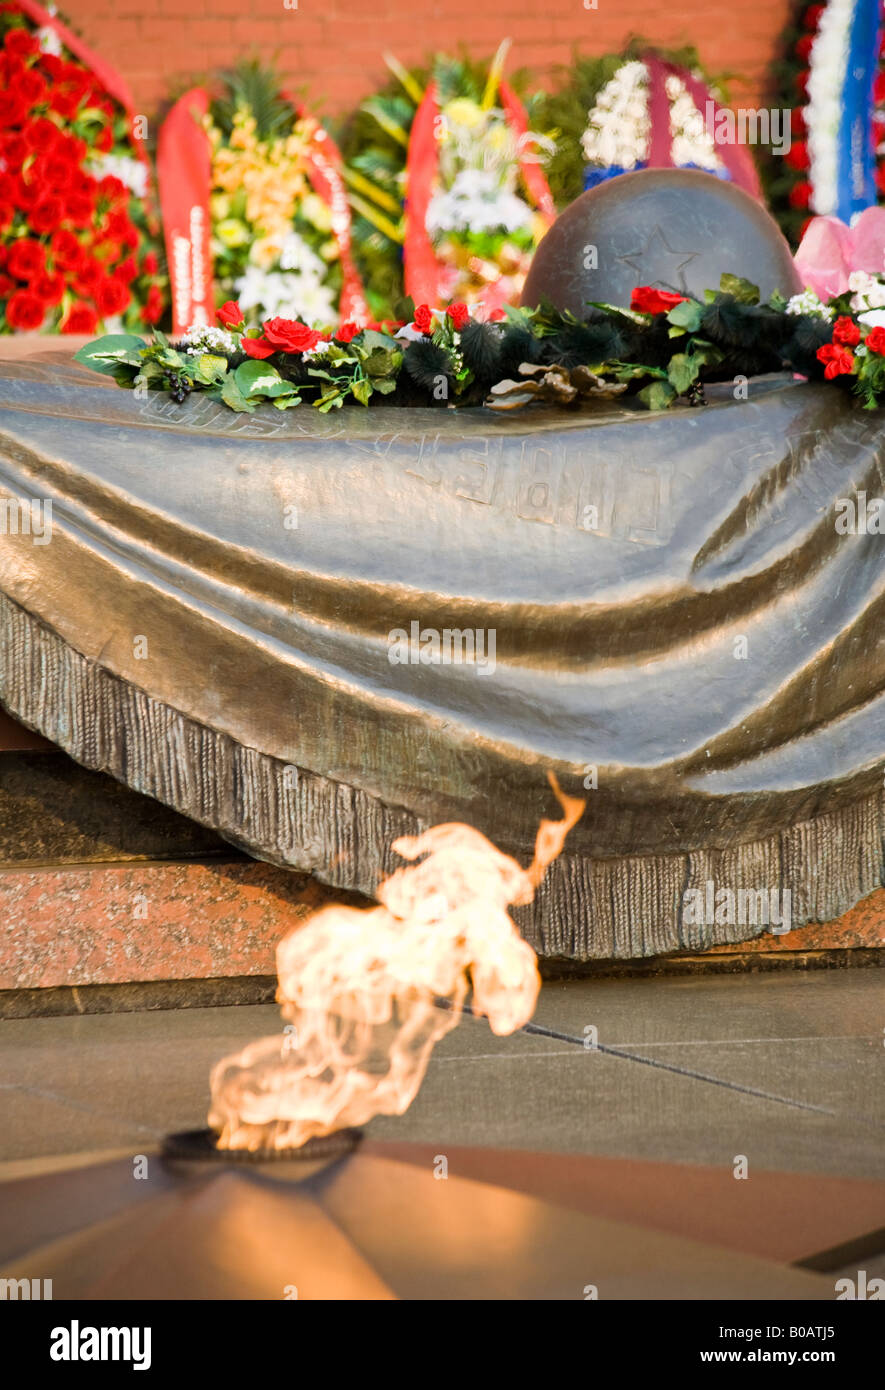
(332, 48)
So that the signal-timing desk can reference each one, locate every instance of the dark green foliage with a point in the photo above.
(426, 363)
(800, 348)
(481, 349)
(254, 85)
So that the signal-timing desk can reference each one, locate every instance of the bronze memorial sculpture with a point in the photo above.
(250, 617)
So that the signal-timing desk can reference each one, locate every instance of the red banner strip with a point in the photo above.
(421, 269)
(183, 175)
(737, 160)
(532, 174)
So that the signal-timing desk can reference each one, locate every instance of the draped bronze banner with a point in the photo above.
(246, 617)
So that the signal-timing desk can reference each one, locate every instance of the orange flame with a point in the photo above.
(360, 988)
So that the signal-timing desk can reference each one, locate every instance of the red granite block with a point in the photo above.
(862, 925)
(126, 923)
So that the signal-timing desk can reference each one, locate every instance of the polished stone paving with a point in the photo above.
(785, 1069)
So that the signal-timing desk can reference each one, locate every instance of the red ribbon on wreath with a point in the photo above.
(421, 268)
(184, 174)
(737, 160)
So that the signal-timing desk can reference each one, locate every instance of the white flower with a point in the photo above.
(869, 290)
(295, 254)
(874, 318)
(808, 303)
(48, 39)
(828, 64)
(619, 131)
(477, 202)
(124, 167)
(201, 338)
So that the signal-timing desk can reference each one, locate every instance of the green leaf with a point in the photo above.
(106, 354)
(362, 390)
(632, 314)
(210, 368)
(286, 402)
(682, 372)
(383, 385)
(258, 379)
(658, 395)
(233, 396)
(744, 291)
(686, 315)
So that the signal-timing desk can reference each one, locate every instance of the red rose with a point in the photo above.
(802, 82)
(47, 215)
(126, 270)
(257, 347)
(875, 341)
(149, 264)
(113, 189)
(26, 194)
(497, 315)
(26, 259)
(423, 319)
(104, 140)
(153, 308)
(64, 105)
(288, 335)
(7, 285)
(797, 121)
(846, 332)
(647, 300)
(32, 88)
(66, 250)
(80, 212)
(459, 314)
(54, 172)
(21, 44)
(49, 288)
(347, 332)
(231, 314)
(12, 108)
(803, 47)
(42, 135)
(25, 311)
(838, 359)
(15, 151)
(800, 194)
(7, 213)
(879, 89)
(80, 318)
(111, 297)
(797, 156)
(811, 18)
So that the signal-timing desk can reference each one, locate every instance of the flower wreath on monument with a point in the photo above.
(254, 207)
(832, 79)
(642, 109)
(78, 241)
(446, 180)
(664, 349)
